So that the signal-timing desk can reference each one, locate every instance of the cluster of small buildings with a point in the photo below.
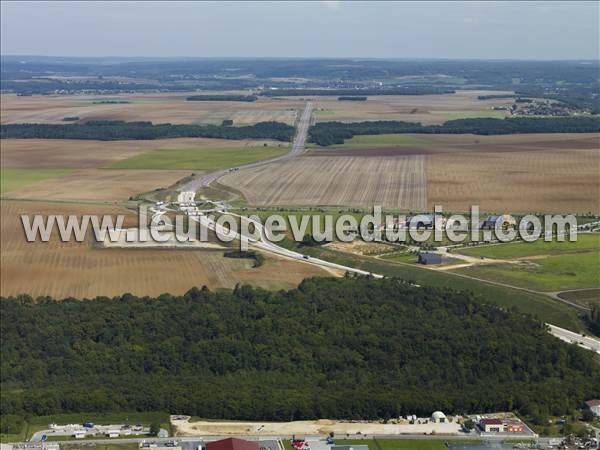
(437, 221)
(89, 429)
(543, 108)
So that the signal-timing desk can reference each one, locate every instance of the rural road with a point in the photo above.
(297, 147)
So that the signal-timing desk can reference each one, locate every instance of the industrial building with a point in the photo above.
(494, 425)
(491, 425)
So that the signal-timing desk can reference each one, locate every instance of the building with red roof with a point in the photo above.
(489, 425)
(232, 444)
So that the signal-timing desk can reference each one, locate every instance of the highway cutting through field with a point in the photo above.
(297, 147)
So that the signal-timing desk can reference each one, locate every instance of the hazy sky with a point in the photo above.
(532, 30)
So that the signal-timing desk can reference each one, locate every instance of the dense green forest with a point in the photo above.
(222, 98)
(110, 130)
(328, 133)
(339, 348)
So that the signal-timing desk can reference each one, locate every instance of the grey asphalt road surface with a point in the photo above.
(297, 147)
(586, 342)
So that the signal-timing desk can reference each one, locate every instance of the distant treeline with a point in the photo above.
(222, 98)
(353, 92)
(111, 102)
(347, 348)
(352, 98)
(111, 130)
(328, 133)
(495, 96)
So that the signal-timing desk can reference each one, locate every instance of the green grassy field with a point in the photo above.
(13, 179)
(198, 159)
(34, 424)
(410, 444)
(553, 273)
(323, 112)
(404, 257)
(585, 242)
(89, 445)
(538, 305)
(402, 265)
(383, 141)
(406, 444)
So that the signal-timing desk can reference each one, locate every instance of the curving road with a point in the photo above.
(260, 242)
(298, 146)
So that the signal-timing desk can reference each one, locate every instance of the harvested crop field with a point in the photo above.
(72, 153)
(84, 269)
(427, 109)
(157, 108)
(398, 182)
(553, 173)
(98, 185)
(434, 144)
(200, 158)
(553, 181)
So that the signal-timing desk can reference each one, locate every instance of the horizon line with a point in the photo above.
(367, 58)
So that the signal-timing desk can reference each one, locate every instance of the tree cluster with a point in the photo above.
(592, 320)
(221, 98)
(328, 133)
(109, 130)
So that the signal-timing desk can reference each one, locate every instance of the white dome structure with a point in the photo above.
(438, 417)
